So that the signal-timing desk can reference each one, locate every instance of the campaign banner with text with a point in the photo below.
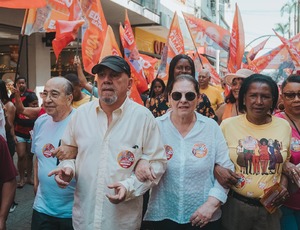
(94, 35)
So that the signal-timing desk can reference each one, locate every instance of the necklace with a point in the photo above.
(293, 123)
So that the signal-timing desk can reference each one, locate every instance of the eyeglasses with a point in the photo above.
(51, 94)
(291, 95)
(190, 96)
(202, 76)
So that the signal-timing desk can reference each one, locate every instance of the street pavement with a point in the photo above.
(20, 219)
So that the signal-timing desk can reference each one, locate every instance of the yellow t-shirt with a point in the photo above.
(214, 96)
(86, 99)
(257, 151)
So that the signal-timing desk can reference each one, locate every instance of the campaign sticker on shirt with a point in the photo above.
(241, 182)
(126, 159)
(47, 150)
(199, 150)
(169, 151)
(295, 144)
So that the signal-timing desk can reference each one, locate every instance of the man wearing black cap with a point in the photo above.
(111, 136)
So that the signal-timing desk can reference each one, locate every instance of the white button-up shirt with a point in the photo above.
(108, 154)
(189, 178)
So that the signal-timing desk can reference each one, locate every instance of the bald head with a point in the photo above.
(204, 78)
(57, 98)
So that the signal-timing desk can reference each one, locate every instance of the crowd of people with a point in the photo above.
(210, 161)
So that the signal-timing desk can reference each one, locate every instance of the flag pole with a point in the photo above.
(21, 42)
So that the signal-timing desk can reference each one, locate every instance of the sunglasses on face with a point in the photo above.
(291, 95)
(190, 96)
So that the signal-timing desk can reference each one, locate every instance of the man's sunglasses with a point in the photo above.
(291, 95)
(190, 96)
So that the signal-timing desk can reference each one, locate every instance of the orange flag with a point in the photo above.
(293, 51)
(22, 4)
(276, 58)
(149, 66)
(175, 45)
(132, 56)
(254, 51)
(110, 47)
(205, 33)
(237, 43)
(66, 31)
(94, 35)
(43, 19)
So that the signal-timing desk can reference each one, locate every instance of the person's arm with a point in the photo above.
(154, 153)
(7, 197)
(30, 112)
(220, 112)
(83, 82)
(35, 176)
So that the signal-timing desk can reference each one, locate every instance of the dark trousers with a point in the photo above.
(42, 221)
(171, 225)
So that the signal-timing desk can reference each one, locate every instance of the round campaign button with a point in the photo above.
(126, 159)
(199, 150)
(47, 150)
(169, 151)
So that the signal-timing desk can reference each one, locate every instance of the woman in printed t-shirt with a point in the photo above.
(257, 99)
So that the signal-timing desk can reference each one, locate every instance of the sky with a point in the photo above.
(259, 17)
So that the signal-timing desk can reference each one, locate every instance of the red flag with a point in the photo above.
(237, 43)
(175, 45)
(150, 64)
(254, 51)
(93, 38)
(22, 4)
(293, 51)
(66, 31)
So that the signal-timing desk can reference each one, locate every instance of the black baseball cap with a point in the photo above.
(115, 63)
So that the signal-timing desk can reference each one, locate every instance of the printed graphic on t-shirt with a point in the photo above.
(125, 159)
(47, 150)
(258, 156)
(199, 150)
(169, 151)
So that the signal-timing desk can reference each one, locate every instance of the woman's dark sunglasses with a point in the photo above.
(190, 96)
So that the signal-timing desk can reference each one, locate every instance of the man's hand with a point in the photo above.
(63, 176)
(120, 193)
(225, 176)
(144, 171)
(204, 213)
(65, 152)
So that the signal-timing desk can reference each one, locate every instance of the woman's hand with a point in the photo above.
(204, 213)
(143, 171)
